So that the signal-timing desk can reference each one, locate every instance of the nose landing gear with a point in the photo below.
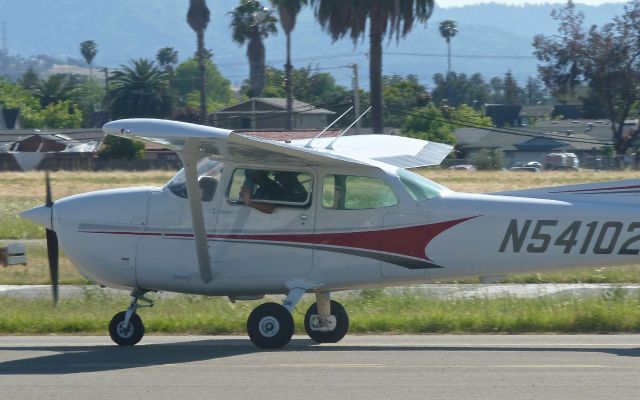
(126, 327)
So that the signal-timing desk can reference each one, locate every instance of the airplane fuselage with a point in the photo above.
(143, 238)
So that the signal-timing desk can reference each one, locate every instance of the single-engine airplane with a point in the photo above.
(248, 217)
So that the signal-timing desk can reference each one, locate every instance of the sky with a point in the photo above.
(460, 3)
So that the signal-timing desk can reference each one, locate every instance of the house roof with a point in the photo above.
(71, 138)
(536, 111)
(513, 142)
(299, 107)
(596, 129)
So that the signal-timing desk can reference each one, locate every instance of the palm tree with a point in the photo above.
(198, 19)
(288, 11)
(448, 29)
(57, 87)
(89, 49)
(342, 17)
(167, 57)
(251, 22)
(140, 89)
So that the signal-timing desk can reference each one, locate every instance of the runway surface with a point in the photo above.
(360, 367)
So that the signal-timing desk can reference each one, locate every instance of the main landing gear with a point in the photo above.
(126, 327)
(270, 325)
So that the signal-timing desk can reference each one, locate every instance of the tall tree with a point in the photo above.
(140, 89)
(89, 49)
(606, 58)
(340, 18)
(448, 29)
(54, 89)
(198, 19)
(288, 11)
(512, 92)
(167, 57)
(251, 22)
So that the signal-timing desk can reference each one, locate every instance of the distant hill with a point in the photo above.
(126, 29)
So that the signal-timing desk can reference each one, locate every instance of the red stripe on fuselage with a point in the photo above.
(409, 241)
(598, 189)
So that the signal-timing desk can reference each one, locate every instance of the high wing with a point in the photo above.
(224, 144)
(193, 142)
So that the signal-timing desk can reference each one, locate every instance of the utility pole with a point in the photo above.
(356, 96)
(5, 50)
(106, 89)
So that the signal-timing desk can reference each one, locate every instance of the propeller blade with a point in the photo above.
(52, 244)
(52, 254)
(48, 201)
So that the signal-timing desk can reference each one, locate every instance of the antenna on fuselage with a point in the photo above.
(330, 145)
(308, 145)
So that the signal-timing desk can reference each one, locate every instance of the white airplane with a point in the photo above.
(248, 217)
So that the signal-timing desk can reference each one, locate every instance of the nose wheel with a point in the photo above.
(126, 327)
(126, 334)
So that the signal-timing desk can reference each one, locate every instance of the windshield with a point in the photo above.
(206, 167)
(419, 187)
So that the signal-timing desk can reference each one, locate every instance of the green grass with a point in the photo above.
(370, 312)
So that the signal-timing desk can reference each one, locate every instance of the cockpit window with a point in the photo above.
(209, 172)
(419, 188)
(346, 192)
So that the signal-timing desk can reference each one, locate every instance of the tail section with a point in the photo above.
(612, 192)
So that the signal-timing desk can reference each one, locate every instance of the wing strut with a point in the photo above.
(190, 161)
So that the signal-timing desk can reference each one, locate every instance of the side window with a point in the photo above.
(346, 192)
(289, 188)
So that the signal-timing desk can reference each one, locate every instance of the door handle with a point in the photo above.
(304, 217)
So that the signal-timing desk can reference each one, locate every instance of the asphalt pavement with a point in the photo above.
(360, 367)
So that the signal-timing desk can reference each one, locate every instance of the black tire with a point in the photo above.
(129, 336)
(270, 326)
(334, 336)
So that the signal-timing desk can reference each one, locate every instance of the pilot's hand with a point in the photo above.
(245, 194)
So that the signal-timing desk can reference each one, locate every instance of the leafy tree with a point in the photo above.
(167, 57)
(497, 90)
(186, 84)
(55, 88)
(198, 19)
(119, 148)
(384, 18)
(604, 58)
(534, 92)
(488, 159)
(251, 22)
(448, 29)
(90, 98)
(89, 49)
(401, 94)
(140, 89)
(29, 79)
(317, 88)
(288, 11)
(13, 95)
(62, 114)
(512, 92)
(457, 89)
(428, 123)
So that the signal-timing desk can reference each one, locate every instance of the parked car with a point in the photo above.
(555, 161)
(464, 167)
